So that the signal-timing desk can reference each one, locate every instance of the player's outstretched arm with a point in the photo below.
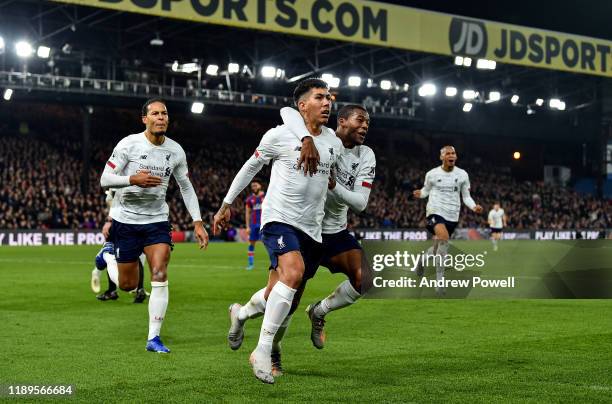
(309, 155)
(467, 198)
(181, 175)
(267, 150)
(423, 192)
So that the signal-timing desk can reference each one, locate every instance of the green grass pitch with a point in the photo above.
(54, 331)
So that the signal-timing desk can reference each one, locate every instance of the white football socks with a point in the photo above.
(344, 295)
(277, 308)
(158, 303)
(111, 267)
(255, 307)
(278, 337)
(442, 250)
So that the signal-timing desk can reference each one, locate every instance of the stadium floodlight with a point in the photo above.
(539, 102)
(175, 66)
(268, 71)
(190, 67)
(459, 60)
(467, 62)
(516, 155)
(8, 93)
(530, 111)
(332, 82)
(494, 96)
(43, 52)
(427, 90)
(280, 73)
(23, 49)
(467, 107)
(486, 64)
(406, 86)
(1, 45)
(555, 103)
(385, 84)
(450, 91)
(233, 68)
(469, 94)
(197, 107)
(514, 99)
(354, 81)
(212, 70)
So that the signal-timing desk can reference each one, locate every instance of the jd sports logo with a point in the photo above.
(468, 37)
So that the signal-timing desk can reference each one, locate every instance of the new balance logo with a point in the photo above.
(143, 157)
(167, 157)
(331, 151)
(354, 166)
(281, 243)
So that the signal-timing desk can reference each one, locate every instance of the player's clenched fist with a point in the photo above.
(144, 179)
(417, 194)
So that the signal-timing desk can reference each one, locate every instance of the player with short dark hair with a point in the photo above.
(350, 188)
(140, 169)
(252, 216)
(292, 212)
(445, 185)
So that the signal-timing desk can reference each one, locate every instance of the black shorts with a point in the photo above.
(337, 243)
(433, 220)
(131, 239)
(281, 238)
(495, 230)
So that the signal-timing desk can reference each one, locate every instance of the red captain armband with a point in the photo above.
(110, 164)
(256, 154)
(366, 185)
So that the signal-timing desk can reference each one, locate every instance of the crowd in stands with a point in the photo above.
(42, 187)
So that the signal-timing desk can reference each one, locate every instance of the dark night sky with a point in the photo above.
(587, 17)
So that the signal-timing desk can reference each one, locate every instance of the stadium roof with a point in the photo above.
(108, 41)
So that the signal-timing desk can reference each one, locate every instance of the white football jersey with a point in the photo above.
(497, 217)
(355, 171)
(136, 205)
(444, 189)
(292, 197)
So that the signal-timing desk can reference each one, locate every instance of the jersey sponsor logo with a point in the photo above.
(167, 173)
(111, 164)
(372, 171)
(281, 243)
(351, 182)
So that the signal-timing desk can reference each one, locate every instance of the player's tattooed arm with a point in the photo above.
(222, 218)
(309, 155)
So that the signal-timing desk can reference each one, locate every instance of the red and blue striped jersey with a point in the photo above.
(254, 202)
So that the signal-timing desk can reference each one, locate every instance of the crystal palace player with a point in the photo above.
(445, 186)
(355, 171)
(292, 211)
(140, 169)
(252, 216)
